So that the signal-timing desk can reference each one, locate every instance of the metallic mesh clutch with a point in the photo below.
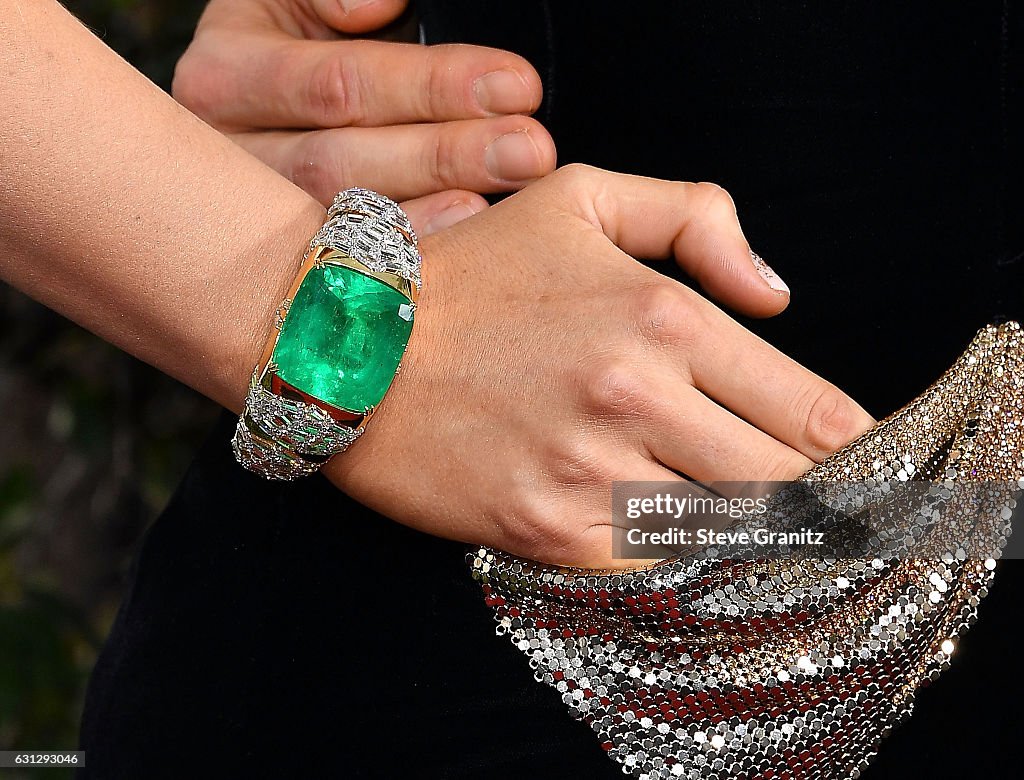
(718, 663)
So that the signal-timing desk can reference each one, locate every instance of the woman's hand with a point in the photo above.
(286, 80)
(546, 363)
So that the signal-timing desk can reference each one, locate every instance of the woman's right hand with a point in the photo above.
(546, 362)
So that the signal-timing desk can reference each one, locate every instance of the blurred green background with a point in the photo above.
(93, 443)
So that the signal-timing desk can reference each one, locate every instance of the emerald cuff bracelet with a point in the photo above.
(338, 340)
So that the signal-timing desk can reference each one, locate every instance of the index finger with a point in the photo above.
(655, 218)
(261, 80)
(772, 391)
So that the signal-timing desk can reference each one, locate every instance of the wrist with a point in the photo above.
(252, 294)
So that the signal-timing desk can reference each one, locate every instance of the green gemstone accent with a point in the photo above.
(343, 337)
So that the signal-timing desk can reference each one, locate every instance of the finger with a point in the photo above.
(691, 434)
(357, 16)
(695, 223)
(655, 404)
(407, 161)
(588, 528)
(605, 542)
(433, 213)
(683, 430)
(772, 391)
(277, 82)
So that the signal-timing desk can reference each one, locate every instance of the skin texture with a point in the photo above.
(545, 360)
(567, 365)
(286, 80)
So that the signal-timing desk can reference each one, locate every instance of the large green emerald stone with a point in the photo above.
(343, 337)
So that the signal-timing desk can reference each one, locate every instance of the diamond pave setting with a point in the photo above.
(373, 229)
(304, 427)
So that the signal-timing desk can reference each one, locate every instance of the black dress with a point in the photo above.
(874, 152)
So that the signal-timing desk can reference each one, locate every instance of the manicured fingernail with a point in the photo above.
(773, 279)
(453, 214)
(348, 6)
(502, 92)
(513, 157)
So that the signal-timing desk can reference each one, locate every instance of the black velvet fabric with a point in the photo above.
(874, 153)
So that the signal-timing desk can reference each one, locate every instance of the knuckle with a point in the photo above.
(575, 175)
(830, 418)
(664, 315)
(334, 93)
(436, 93)
(444, 160)
(614, 387)
(714, 199)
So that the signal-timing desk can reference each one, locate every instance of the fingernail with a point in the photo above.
(453, 214)
(348, 6)
(502, 92)
(513, 157)
(773, 279)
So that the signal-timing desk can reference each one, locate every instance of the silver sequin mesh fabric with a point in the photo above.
(794, 666)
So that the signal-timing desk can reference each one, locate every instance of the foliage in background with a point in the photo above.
(91, 445)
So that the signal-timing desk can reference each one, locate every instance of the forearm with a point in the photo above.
(123, 212)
